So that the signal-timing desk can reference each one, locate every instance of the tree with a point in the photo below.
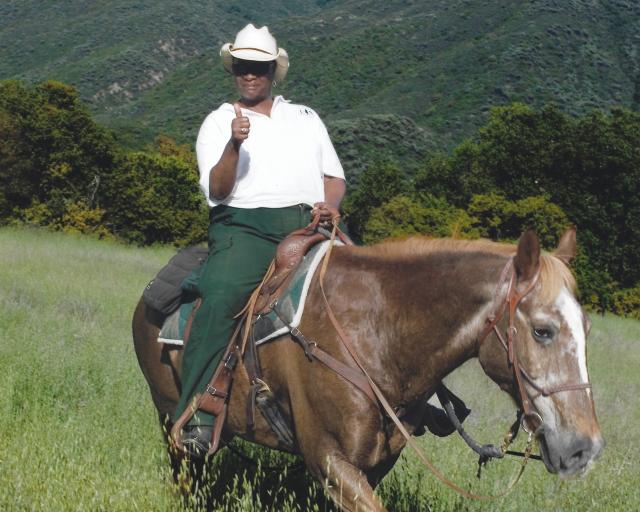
(60, 169)
(425, 215)
(53, 155)
(497, 218)
(378, 184)
(588, 167)
(153, 198)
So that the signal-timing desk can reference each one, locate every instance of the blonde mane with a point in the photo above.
(554, 274)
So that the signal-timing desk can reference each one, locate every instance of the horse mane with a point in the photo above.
(554, 274)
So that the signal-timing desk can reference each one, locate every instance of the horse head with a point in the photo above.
(535, 349)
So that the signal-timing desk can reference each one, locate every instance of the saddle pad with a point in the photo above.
(290, 305)
(172, 331)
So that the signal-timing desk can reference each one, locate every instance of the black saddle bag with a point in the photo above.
(164, 292)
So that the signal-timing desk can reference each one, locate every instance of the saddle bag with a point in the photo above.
(164, 291)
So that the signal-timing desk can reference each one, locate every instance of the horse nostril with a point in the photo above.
(567, 453)
(579, 453)
(576, 457)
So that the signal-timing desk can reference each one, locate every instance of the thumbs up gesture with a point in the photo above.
(240, 126)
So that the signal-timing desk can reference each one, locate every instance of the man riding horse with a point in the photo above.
(265, 165)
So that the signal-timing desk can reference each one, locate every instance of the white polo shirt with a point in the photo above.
(281, 163)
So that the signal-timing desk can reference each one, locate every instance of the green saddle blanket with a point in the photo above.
(172, 331)
(288, 309)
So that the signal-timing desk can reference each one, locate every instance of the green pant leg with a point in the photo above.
(230, 274)
(241, 249)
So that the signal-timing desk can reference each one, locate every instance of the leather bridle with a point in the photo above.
(510, 303)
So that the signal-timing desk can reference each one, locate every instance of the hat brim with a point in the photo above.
(227, 53)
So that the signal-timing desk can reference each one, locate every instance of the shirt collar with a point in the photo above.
(276, 101)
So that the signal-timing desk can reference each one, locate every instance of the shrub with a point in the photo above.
(426, 215)
(52, 154)
(498, 218)
(153, 198)
(589, 167)
(377, 185)
(82, 219)
(627, 302)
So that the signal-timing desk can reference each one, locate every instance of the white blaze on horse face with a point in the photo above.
(575, 348)
(572, 314)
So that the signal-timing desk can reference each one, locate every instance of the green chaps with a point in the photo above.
(242, 243)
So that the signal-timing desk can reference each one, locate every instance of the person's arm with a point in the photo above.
(222, 177)
(334, 190)
(333, 177)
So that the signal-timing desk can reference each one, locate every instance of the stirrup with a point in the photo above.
(196, 441)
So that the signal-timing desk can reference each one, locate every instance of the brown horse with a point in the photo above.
(415, 310)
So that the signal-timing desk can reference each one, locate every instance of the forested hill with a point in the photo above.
(152, 66)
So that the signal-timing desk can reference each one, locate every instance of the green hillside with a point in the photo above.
(152, 67)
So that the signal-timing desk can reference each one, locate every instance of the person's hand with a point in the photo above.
(326, 212)
(240, 126)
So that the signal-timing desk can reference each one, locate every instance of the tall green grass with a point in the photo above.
(78, 430)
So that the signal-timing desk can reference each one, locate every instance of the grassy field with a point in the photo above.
(78, 430)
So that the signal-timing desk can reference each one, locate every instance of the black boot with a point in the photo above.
(196, 440)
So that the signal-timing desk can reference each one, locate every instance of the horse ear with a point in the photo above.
(528, 255)
(566, 250)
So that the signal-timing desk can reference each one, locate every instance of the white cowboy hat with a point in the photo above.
(256, 44)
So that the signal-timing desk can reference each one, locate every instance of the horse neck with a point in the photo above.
(429, 311)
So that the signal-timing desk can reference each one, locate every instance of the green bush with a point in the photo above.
(153, 198)
(498, 218)
(588, 167)
(78, 217)
(428, 215)
(52, 153)
(377, 185)
(52, 157)
(60, 169)
(82, 219)
(627, 302)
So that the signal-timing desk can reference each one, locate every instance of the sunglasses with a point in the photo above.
(251, 67)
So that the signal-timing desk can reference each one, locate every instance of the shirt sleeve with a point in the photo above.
(209, 147)
(330, 165)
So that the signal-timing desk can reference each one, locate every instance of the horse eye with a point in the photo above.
(543, 335)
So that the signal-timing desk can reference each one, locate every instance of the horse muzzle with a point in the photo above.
(568, 453)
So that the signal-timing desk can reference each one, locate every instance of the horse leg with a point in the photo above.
(348, 486)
